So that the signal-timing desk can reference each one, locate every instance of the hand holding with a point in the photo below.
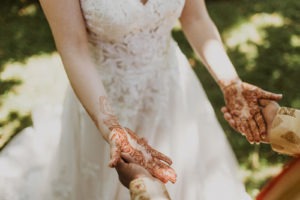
(242, 103)
(269, 111)
(128, 170)
(123, 140)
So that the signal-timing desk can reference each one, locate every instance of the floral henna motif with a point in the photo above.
(123, 140)
(242, 103)
(110, 120)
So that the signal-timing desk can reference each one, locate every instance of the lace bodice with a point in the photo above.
(131, 42)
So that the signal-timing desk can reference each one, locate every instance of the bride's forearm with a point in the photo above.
(89, 89)
(204, 37)
(69, 31)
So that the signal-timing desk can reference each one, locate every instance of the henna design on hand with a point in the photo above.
(242, 102)
(123, 140)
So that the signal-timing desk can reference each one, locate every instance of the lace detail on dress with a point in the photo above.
(90, 169)
(62, 188)
(130, 42)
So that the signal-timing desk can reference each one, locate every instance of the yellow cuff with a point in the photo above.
(284, 134)
(145, 188)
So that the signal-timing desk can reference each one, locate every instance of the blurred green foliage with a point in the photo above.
(275, 65)
(24, 32)
(272, 61)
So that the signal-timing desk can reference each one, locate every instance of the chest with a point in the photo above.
(123, 16)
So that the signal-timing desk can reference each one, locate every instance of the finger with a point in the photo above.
(224, 109)
(227, 116)
(161, 156)
(131, 133)
(171, 174)
(162, 171)
(230, 120)
(264, 102)
(115, 151)
(254, 129)
(239, 124)
(268, 95)
(120, 165)
(115, 157)
(143, 140)
(245, 128)
(234, 123)
(261, 125)
(139, 157)
(153, 152)
(236, 113)
(127, 158)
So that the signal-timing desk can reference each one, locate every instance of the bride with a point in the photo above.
(126, 71)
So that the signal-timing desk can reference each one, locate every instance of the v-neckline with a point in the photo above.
(144, 2)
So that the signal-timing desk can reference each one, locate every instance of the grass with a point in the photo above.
(43, 83)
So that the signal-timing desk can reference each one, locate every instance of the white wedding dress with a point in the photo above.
(153, 91)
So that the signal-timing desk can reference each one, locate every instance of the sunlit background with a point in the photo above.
(261, 37)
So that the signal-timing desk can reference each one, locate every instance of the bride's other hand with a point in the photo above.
(242, 103)
(123, 140)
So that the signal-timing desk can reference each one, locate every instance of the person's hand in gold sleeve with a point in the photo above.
(129, 171)
(269, 110)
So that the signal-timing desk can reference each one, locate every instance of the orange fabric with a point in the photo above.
(285, 186)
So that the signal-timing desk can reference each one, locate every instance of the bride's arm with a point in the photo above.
(70, 35)
(67, 26)
(241, 98)
(203, 35)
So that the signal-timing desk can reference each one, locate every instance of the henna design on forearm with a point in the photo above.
(110, 120)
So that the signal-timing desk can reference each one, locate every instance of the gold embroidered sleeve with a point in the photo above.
(284, 134)
(145, 188)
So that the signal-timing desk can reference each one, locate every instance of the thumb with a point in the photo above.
(127, 158)
(264, 102)
(269, 112)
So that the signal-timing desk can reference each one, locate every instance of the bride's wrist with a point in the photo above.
(227, 83)
(107, 130)
(107, 123)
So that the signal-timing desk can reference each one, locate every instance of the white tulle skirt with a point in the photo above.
(64, 157)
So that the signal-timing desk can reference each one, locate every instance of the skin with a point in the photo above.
(71, 39)
(124, 141)
(242, 101)
(268, 109)
(203, 35)
(128, 170)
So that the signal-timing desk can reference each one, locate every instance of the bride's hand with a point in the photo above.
(242, 103)
(123, 140)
